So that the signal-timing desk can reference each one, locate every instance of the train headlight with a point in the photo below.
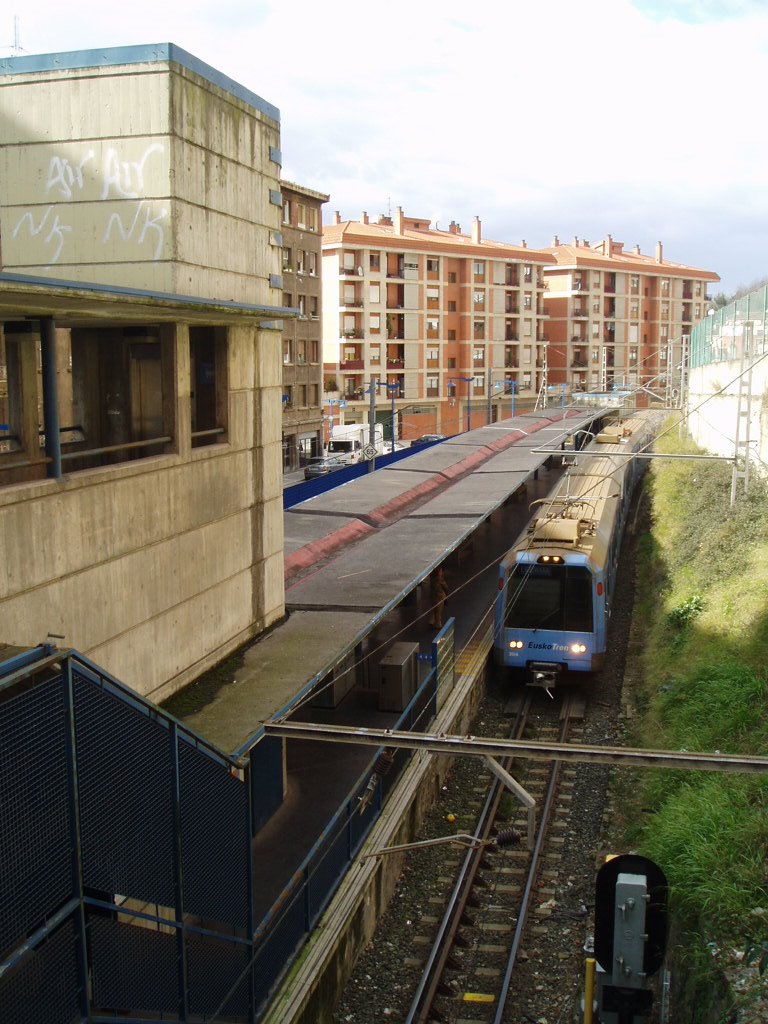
(515, 645)
(578, 648)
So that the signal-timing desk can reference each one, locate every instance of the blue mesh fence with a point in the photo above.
(126, 803)
(215, 839)
(132, 966)
(164, 823)
(36, 875)
(44, 986)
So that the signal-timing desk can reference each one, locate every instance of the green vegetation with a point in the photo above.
(702, 612)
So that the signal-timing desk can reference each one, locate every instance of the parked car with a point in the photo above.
(321, 467)
(428, 439)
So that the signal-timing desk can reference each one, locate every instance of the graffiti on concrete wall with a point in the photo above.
(97, 206)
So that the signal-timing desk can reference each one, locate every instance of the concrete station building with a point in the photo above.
(140, 361)
(441, 318)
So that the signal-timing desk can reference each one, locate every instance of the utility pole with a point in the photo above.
(372, 388)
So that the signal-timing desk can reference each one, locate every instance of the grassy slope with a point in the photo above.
(702, 607)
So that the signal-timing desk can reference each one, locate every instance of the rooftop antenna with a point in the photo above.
(17, 47)
(389, 206)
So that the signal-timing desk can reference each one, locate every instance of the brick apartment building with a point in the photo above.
(619, 318)
(302, 345)
(438, 318)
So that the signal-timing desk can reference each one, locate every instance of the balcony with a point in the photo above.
(511, 309)
(510, 336)
(687, 293)
(352, 303)
(356, 333)
(395, 364)
(352, 364)
(580, 311)
(511, 363)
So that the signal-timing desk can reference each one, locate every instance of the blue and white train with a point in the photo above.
(556, 584)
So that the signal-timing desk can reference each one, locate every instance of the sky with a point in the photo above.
(641, 119)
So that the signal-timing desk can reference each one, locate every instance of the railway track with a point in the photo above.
(503, 884)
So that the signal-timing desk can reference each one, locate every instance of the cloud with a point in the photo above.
(634, 118)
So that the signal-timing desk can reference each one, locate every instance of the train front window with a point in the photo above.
(550, 597)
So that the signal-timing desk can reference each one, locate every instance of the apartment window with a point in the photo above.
(302, 305)
(433, 327)
(287, 396)
(663, 356)
(478, 329)
(374, 323)
(595, 330)
(665, 310)
(451, 277)
(527, 272)
(301, 257)
(595, 355)
(287, 300)
(451, 335)
(697, 312)
(632, 356)
(633, 310)
(526, 381)
(432, 383)
(433, 265)
(375, 353)
(302, 215)
(374, 262)
(697, 288)
(451, 306)
(314, 350)
(451, 363)
(433, 353)
(634, 282)
(348, 261)
(663, 331)
(526, 302)
(287, 255)
(312, 263)
(433, 298)
(313, 307)
(479, 268)
(596, 279)
(479, 300)
(374, 294)
(286, 211)
(287, 351)
(527, 327)
(478, 383)
(596, 307)
(526, 353)
(314, 394)
(301, 352)
(311, 218)
(478, 354)
(303, 396)
(665, 284)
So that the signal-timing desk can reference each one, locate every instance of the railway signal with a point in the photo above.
(630, 936)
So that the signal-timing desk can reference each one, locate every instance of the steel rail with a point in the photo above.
(427, 989)
(533, 868)
(478, 746)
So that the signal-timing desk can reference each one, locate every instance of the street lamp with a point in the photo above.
(469, 383)
(391, 389)
(509, 388)
(331, 402)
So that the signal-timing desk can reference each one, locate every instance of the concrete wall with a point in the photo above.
(157, 568)
(712, 409)
(143, 174)
(145, 168)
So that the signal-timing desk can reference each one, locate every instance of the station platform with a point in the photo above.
(356, 553)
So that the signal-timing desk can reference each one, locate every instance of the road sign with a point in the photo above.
(369, 452)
